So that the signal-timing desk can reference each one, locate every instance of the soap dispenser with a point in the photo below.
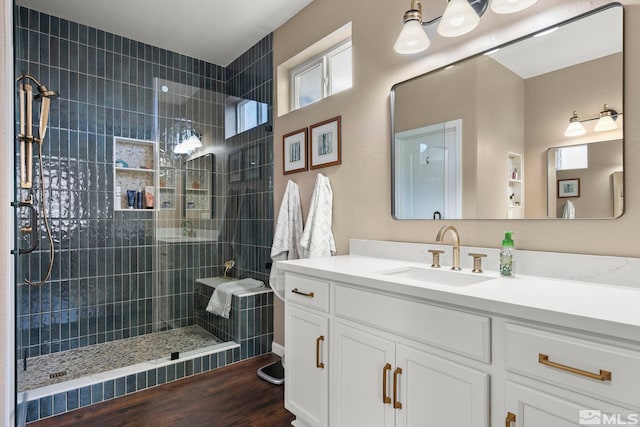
(506, 256)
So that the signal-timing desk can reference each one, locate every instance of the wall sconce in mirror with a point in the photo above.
(188, 145)
(459, 18)
(606, 121)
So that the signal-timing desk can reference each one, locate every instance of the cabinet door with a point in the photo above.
(533, 408)
(435, 392)
(357, 377)
(306, 368)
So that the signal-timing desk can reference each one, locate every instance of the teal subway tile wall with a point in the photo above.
(102, 286)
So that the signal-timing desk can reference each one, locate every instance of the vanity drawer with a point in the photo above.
(463, 333)
(307, 291)
(576, 363)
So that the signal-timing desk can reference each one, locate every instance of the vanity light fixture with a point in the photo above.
(575, 127)
(188, 146)
(459, 18)
(606, 121)
(412, 38)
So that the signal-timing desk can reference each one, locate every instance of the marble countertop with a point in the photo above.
(602, 309)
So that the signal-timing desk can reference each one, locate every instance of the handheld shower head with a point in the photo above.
(27, 139)
(43, 91)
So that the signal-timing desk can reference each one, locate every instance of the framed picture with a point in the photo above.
(569, 187)
(235, 166)
(294, 151)
(326, 147)
(251, 162)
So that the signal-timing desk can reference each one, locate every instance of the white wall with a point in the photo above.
(361, 184)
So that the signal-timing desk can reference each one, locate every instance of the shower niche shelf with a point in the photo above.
(134, 168)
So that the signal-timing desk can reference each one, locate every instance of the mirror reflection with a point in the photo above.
(592, 178)
(198, 187)
(475, 140)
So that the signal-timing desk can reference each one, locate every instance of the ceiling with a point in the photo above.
(586, 39)
(217, 31)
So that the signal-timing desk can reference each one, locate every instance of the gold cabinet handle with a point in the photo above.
(602, 376)
(319, 364)
(385, 398)
(396, 403)
(296, 291)
(511, 418)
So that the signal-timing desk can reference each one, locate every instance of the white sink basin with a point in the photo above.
(440, 277)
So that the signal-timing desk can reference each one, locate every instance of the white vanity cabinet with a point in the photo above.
(379, 379)
(361, 369)
(374, 377)
(527, 406)
(376, 382)
(584, 379)
(307, 337)
(398, 355)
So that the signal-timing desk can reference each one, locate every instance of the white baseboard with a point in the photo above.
(277, 349)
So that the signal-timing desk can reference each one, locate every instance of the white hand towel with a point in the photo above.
(569, 211)
(317, 238)
(286, 240)
(220, 302)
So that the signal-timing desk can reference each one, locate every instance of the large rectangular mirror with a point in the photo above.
(481, 138)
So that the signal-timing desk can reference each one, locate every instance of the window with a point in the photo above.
(573, 157)
(250, 114)
(322, 76)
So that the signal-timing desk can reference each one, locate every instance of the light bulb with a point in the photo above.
(459, 18)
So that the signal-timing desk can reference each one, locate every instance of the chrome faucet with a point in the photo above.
(456, 243)
(187, 229)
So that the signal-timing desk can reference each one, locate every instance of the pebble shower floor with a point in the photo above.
(71, 364)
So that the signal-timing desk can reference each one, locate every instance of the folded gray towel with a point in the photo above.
(220, 302)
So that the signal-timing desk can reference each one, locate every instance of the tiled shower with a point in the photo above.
(105, 284)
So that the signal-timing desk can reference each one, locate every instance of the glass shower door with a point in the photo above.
(189, 119)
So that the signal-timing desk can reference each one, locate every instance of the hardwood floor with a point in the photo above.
(229, 396)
